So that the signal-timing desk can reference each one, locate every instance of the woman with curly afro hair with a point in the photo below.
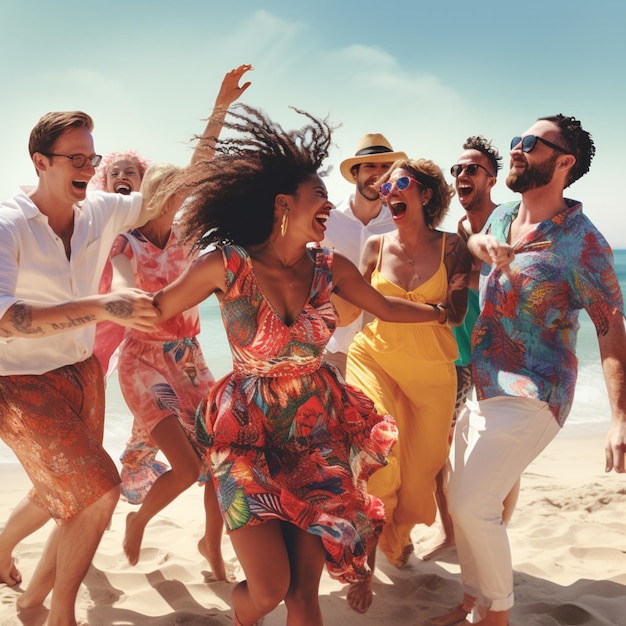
(290, 445)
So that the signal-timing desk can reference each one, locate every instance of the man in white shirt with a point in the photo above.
(54, 241)
(356, 218)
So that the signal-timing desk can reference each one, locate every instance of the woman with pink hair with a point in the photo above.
(118, 172)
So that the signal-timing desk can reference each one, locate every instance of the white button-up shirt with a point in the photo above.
(34, 266)
(347, 234)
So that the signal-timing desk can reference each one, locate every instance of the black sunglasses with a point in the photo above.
(470, 169)
(530, 141)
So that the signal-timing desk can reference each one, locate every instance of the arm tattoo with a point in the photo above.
(73, 322)
(123, 310)
(22, 319)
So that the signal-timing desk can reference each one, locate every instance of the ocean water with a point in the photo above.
(590, 408)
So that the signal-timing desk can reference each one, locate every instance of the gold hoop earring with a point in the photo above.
(283, 224)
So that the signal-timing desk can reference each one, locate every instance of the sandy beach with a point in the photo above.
(568, 538)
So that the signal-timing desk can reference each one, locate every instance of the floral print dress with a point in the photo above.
(287, 438)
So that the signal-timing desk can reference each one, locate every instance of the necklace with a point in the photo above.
(292, 268)
(410, 261)
(409, 258)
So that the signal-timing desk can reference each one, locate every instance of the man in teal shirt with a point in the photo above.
(475, 175)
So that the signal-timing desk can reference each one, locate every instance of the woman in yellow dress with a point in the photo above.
(408, 369)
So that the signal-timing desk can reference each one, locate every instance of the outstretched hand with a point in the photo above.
(230, 89)
(488, 249)
(132, 308)
(228, 93)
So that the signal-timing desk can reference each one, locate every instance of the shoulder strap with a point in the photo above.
(380, 253)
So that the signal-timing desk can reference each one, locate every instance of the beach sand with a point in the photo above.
(568, 538)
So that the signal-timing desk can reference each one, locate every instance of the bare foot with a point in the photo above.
(31, 614)
(438, 549)
(495, 618)
(456, 616)
(214, 557)
(9, 574)
(132, 539)
(360, 595)
(407, 551)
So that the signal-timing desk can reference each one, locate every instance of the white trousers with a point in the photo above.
(494, 442)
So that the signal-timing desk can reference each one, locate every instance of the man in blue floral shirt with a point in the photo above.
(544, 261)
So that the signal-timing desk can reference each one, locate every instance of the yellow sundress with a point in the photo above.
(408, 371)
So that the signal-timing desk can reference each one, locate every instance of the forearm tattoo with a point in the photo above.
(123, 310)
(72, 322)
(22, 320)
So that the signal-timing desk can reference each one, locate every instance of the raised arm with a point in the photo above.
(350, 285)
(129, 307)
(613, 355)
(205, 148)
(228, 93)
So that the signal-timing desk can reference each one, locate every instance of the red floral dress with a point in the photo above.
(287, 438)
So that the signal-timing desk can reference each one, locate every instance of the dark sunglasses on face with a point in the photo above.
(470, 169)
(530, 141)
(401, 183)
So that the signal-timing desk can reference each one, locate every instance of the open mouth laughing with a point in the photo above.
(397, 208)
(321, 219)
(464, 190)
(123, 188)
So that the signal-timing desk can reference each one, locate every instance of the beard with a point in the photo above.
(367, 191)
(533, 177)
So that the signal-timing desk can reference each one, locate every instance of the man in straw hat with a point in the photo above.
(356, 218)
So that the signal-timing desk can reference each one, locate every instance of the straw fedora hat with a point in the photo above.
(372, 148)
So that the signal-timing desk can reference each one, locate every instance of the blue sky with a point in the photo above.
(425, 74)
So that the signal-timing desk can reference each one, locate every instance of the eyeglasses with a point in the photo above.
(78, 160)
(470, 169)
(401, 183)
(530, 141)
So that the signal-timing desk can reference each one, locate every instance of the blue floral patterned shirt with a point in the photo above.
(524, 341)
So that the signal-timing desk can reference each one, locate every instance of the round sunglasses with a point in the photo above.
(530, 141)
(470, 169)
(401, 183)
(78, 160)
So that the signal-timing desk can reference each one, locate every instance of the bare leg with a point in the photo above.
(66, 559)
(306, 557)
(262, 552)
(210, 546)
(170, 438)
(446, 538)
(25, 519)
(360, 595)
